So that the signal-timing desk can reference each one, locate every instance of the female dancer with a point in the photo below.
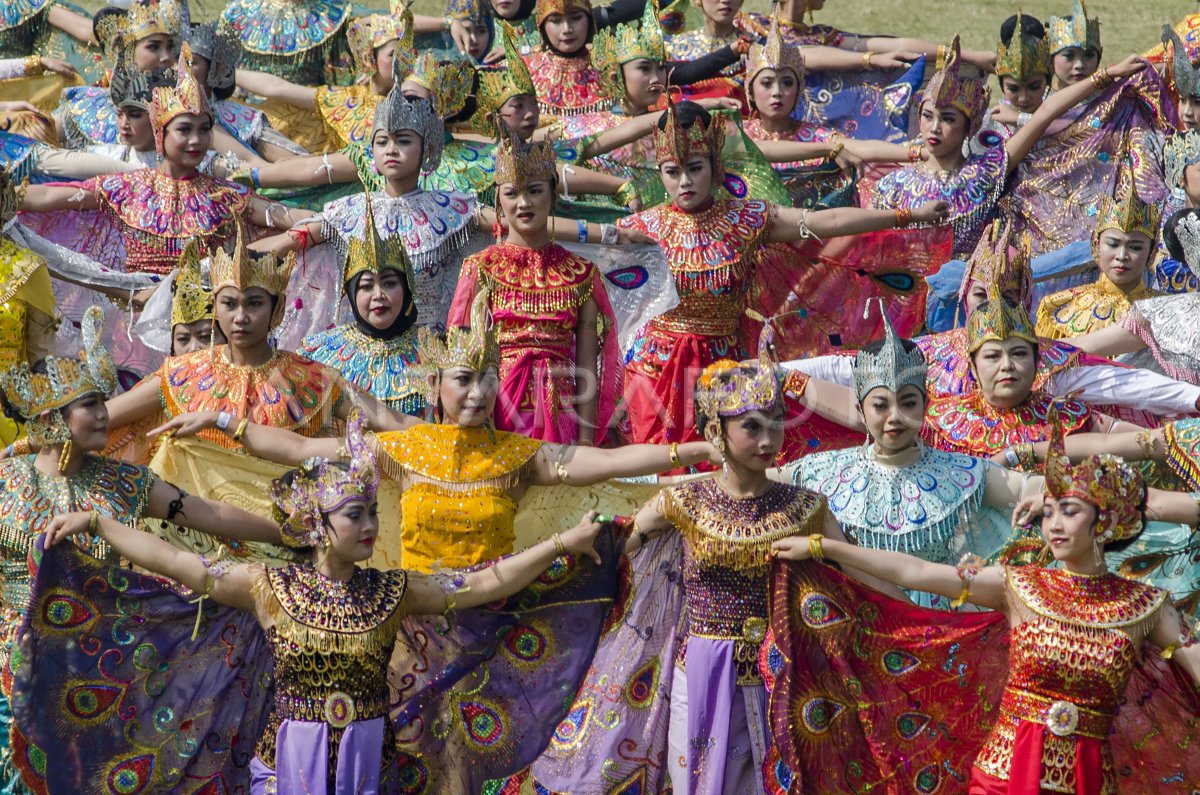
(61, 403)
(566, 81)
(331, 630)
(711, 244)
(1076, 699)
(560, 375)
(461, 479)
(301, 42)
(193, 325)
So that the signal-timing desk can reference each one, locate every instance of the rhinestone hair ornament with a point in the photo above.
(1025, 56)
(1180, 71)
(1115, 488)
(320, 487)
(222, 51)
(521, 164)
(1073, 31)
(450, 78)
(1125, 210)
(242, 271)
(497, 86)
(374, 254)
(1187, 231)
(366, 34)
(186, 96)
(119, 32)
(892, 367)
(774, 53)
(397, 112)
(475, 348)
(191, 299)
(728, 389)
(998, 320)
(949, 89)
(64, 381)
(1180, 151)
(999, 260)
(616, 46)
(545, 8)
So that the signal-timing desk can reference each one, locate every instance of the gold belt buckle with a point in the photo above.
(339, 710)
(754, 630)
(1062, 718)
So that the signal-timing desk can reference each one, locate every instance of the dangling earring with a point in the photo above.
(1098, 552)
(64, 457)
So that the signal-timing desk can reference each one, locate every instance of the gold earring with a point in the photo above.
(64, 457)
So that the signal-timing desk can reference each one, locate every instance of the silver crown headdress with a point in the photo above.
(132, 86)
(1187, 231)
(891, 366)
(222, 51)
(1180, 151)
(397, 112)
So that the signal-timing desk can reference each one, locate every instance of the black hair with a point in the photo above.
(1030, 26)
(224, 92)
(472, 105)
(689, 113)
(97, 20)
(1170, 236)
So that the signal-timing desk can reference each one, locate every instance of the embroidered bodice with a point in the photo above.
(727, 555)
(1070, 659)
(456, 510)
(330, 642)
(21, 24)
(382, 368)
(566, 86)
(1091, 307)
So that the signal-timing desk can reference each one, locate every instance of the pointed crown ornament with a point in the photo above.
(120, 31)
(186, 96)
(998, 320)
(497, 86)
(62, 381)
(616, 46)
(1180, 151)
(1025, 56)
(241, 271)
(397, 112)
(221, 49)
(893, 366)
(545, 8)
(130, 86)
(1073, 31)
(191, 300)
(1115, 488)
(520, 163)
(475, 348)
(1125, 210)
(999, 260)
(1180, 72)
(374, 254)
(949, 89)
(774, 53)
(320, 487)
(728, 389)
(366, 34)
(448, 77)
(676, 143)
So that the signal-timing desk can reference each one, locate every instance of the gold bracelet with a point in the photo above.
(32, 66)
(559, 547)
(939, 59)
(835, 151)
(866, 59)
(241, 429)
(815, 548)
(676, 463)
(903, 217)
(94, 522)
(22, 446)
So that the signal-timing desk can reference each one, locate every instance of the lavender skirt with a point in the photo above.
(302, 760)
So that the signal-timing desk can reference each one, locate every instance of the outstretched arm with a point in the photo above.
(304, 172)
(792, 224)
(583, 466)
(74, 25)
(154, 554)
(273, 444)
(915, 574)
(143, 400)
(308, 234)
(47, 198)
(208, 516)
(505, 578)
(273, 87)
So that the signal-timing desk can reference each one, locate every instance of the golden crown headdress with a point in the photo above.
(998, 320)
(191, 300)
(62, 381)
(519, 163)
(1125, 210)
(727, 388)
(497, 86)
(320, 486)
(1180, 151)
(893, 366)
(949, 89)
(186, 96)
(1003, 262)
(773, 53)
(120, 30)
(476, 347)
(448, 77)
(1073, 31)
(1025, 56)
(616, 46)
(472, 10)
(240, 270)
(1115, 488)
(1180, 71)
(547, 7)
(367, 33)
(675, 142)
(374, 254)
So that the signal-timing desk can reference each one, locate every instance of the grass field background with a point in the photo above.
(1126, 25)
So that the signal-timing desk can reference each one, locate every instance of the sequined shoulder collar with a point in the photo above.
(431, 223)
(1105, 600)
(724, 232)
(969, 424)
(549, 268)
(381, 368)
(1079, 310)
(280, 27)
(157, 204)
(17, 12)
(724, 530)
(467, 166)
(457, 456)
(978, 183)
(950, 364)
(566, 86)
(363, 603)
